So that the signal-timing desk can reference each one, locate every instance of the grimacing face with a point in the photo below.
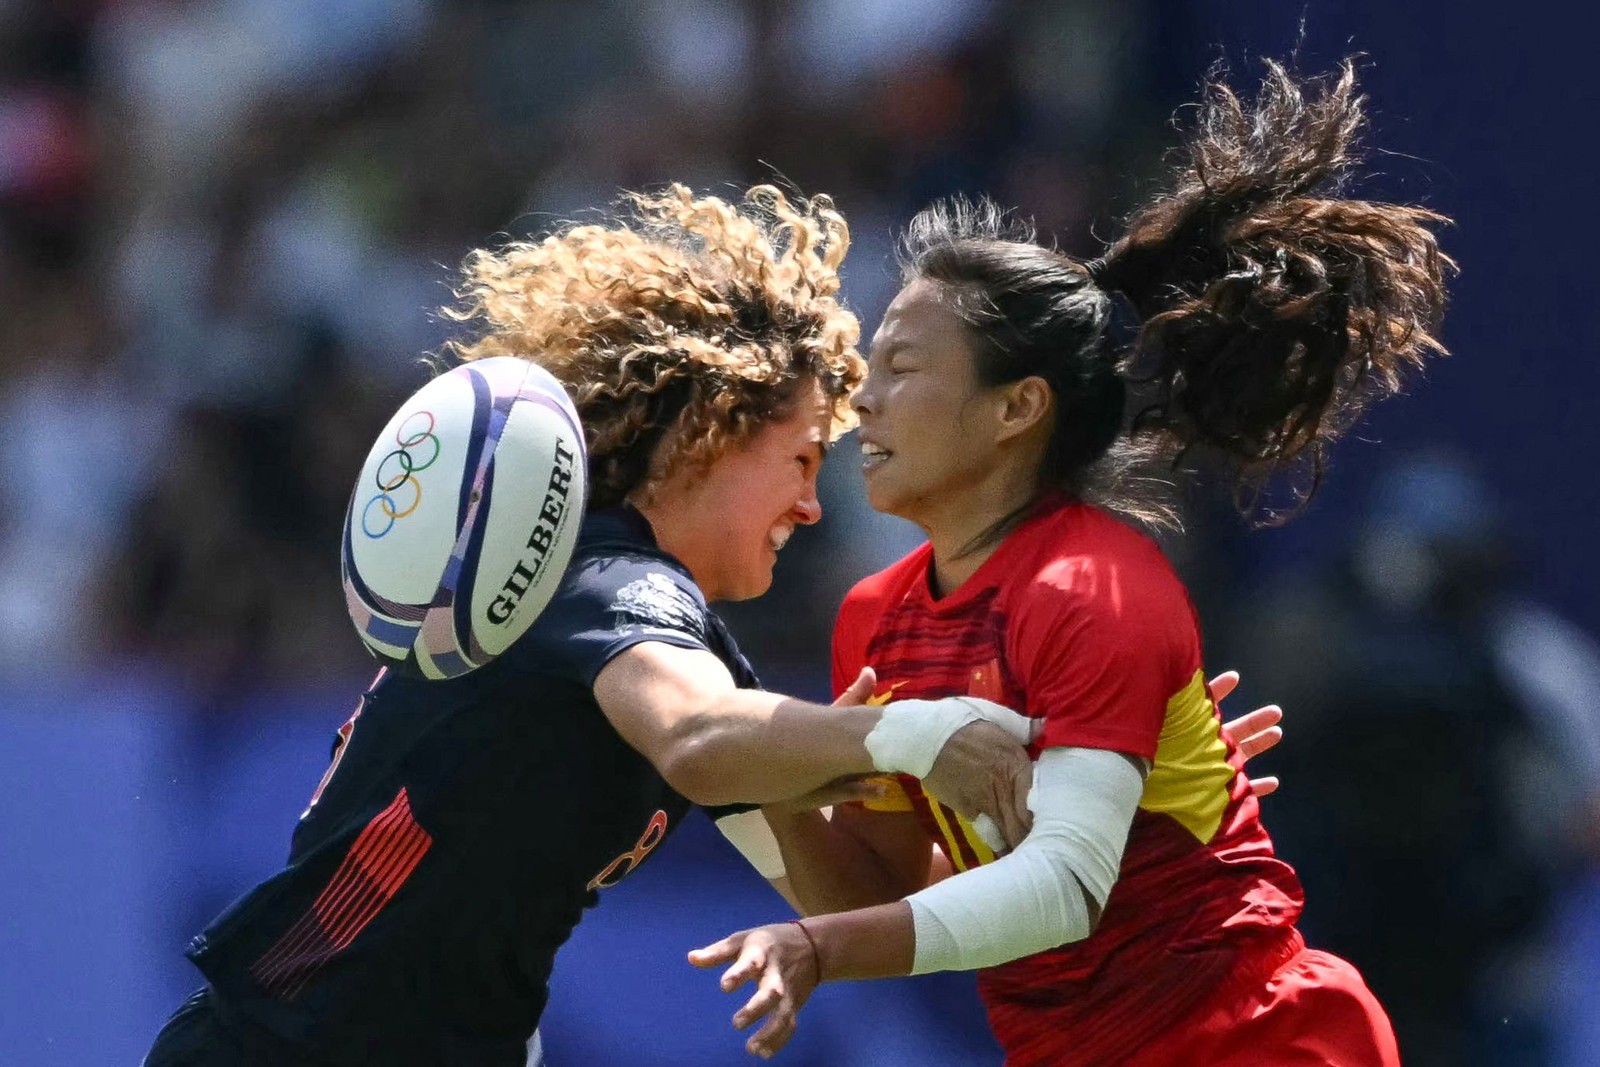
(923, 439)
(728, 522)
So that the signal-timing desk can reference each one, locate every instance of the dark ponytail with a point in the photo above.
(1273, 310)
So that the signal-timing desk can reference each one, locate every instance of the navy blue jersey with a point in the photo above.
(462, 828)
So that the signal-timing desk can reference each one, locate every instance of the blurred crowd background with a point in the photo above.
(226, 227)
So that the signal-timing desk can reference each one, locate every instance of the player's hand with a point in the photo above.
(783, 964)
(860, 690)
(1252, 733)
(983, 770)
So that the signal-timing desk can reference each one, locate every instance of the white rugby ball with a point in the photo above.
(464, 516)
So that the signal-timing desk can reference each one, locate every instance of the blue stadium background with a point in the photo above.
(224, 224)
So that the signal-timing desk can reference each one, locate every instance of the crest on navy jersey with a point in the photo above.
(657, 602)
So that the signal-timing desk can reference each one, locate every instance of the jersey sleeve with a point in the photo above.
(851, 631)
(849, 643)
(605, 606)
(1101, 646)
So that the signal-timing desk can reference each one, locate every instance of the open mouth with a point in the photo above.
(778, 537)
(873, 456)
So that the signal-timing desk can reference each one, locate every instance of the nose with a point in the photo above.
(808, 511)
(862, 401)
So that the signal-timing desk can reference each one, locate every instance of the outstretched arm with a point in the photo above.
(855, 858)
(1046, 893)
(719, 744)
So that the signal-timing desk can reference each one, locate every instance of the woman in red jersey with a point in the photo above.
(1271, 311)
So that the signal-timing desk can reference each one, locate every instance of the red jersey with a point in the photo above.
(1079, 620)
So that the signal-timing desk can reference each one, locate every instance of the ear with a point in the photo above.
(1025, 404)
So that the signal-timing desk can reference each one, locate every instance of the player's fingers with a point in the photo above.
(1260, 741)
(752, 961)
(994, 815)
(1253, 722)
(1021, 786)
(1264, 787)
(1012, 827)
(776, 1033)
(860, 689)
(1222, 685)
(766, 998)
(721, 952)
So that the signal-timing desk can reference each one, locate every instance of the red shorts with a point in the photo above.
(1313, 1010)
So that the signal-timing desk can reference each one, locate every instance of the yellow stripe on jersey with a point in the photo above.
(984, 853)
(1191, 775)
(954, 845)
(894, 796)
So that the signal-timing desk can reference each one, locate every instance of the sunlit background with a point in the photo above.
(225, 230)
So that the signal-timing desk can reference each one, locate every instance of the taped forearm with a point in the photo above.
(1038, 897)
(757, 747)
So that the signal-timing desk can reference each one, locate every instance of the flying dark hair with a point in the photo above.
(1272, 309)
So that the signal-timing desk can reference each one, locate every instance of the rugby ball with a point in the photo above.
(464, 516)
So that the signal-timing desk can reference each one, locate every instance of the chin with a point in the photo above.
(751, 589)
(884, 499)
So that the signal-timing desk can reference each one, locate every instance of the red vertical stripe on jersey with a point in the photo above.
(958, 837)
(373, 870)
(954, 840)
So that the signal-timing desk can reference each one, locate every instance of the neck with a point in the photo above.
(954, 523)
(676, 542)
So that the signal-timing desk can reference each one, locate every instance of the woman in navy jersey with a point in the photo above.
(1145, 919)
(464, 825)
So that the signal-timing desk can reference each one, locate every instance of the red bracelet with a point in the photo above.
(816, 955)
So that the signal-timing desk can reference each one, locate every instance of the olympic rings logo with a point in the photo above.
(396, 474)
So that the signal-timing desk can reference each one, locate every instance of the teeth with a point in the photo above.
(873, 450)
(778, 538)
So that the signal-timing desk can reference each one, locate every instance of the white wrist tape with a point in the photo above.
(1083, 801)
(895, 739)
(911, 733)
(750, 834)
(1021, 728)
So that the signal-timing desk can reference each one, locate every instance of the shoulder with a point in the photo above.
(616, 593)
(620, 589)
(1089, 571)
(868, 597)
(1082, 555)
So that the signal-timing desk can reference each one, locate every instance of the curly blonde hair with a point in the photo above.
(684, 314)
